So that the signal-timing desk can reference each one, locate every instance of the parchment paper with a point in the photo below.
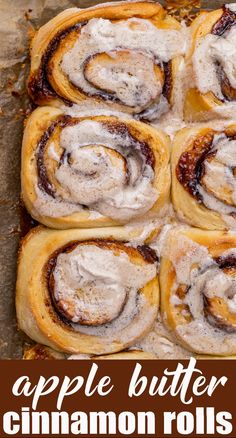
(18, 19)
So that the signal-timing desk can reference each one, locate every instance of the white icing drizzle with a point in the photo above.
(93, 108)
(160, 342)
(159, 243)
(45, 205)
(52, 152)
(183, 253)
(210, 50)
(219, 180)
(100, 286)
(172, 120)
(143, 229)
(79, 357)
(231, 7)
(132, 46)
(195, 268)
(96, 175)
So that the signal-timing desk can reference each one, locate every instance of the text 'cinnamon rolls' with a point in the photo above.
(212, 85)
(125, 54)
(86, 291)
(92, 171)
(198, 286)
(203, 173)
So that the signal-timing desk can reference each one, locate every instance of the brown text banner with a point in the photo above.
(118, 398)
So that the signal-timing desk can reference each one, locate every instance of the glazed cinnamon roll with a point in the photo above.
(86, 291)
(125, 54)
(203, 175)
(198, 290)
(92, 171)
(211, 59)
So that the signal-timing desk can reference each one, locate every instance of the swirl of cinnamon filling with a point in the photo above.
(93, 168)
(95, 296)
(214, 59)
(204, 166)
(94, 283)
(120, 55)
(213, 55)
(200, 298)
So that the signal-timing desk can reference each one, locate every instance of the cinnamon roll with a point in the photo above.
(92, 171)
(125, 54)
(86, 291)
(211, 61)
(198, 290)
(203, 175)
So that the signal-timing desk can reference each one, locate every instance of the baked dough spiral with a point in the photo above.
(92, 171)
(40, 352)
(198, 290)
(125, 54)
(203, 177)
(211, 60)
(86, 291)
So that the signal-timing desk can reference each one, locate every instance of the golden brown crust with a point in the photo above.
(156, 144)
(192, 148)
(199, 106)
(36, 312)
(193, 311)
(48, 84)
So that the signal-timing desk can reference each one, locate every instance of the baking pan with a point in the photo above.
(19, 19)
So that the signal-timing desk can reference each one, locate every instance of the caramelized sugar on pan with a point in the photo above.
(183, 9)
